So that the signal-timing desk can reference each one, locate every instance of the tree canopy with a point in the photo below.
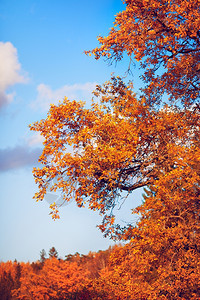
(118, 146)
(165, 37)
(126, 142)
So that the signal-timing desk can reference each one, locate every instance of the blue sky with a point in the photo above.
(42, 60)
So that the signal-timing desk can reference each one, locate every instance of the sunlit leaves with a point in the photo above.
(164, 36)
(119, 145)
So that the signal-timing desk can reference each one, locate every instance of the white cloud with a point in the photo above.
(35, 140)
(10, 72)
(47, 96)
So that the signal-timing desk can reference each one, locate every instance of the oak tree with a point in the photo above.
(100, 155)
(117, 146)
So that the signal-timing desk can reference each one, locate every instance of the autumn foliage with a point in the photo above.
(125, 141)
(77, 277)
(160, 35)
(121, 146)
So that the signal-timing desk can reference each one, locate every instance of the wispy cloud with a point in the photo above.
(10, 72)
(18, 157)
(47, 96)
(36, 139)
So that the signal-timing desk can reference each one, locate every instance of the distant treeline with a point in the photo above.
(77, 276)
(122, 272)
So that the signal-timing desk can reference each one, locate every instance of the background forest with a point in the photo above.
(75, 277)
(98, 155)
